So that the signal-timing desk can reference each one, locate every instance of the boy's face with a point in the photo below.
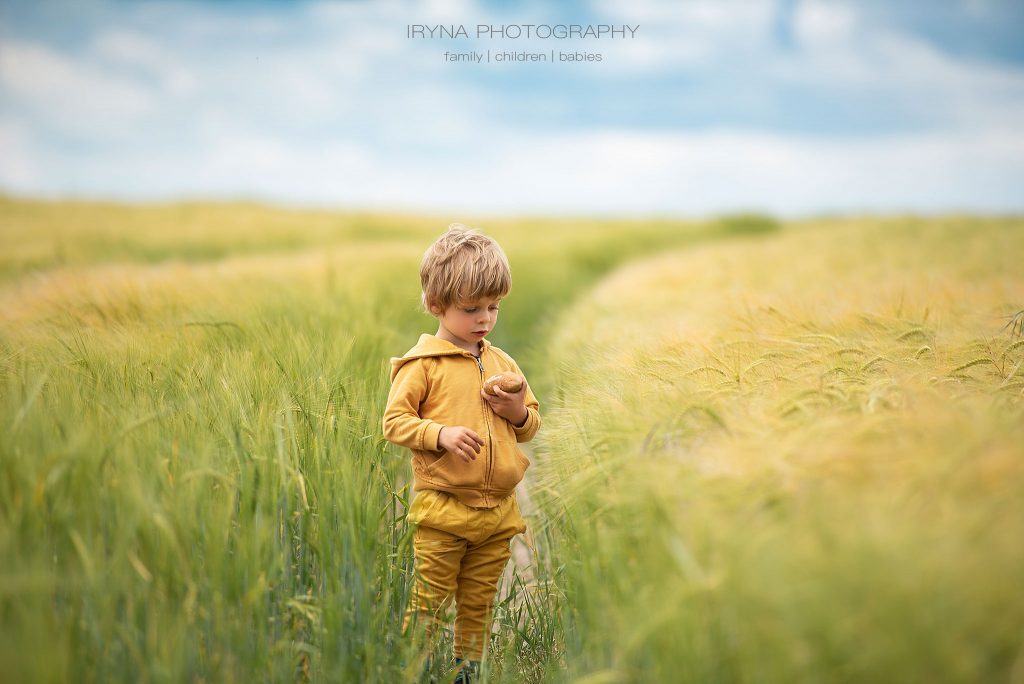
(466, 323)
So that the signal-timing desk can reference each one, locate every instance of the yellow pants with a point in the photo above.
(460, 551)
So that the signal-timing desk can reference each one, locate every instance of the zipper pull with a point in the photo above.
(480, 364)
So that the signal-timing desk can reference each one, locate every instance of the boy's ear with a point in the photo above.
(433, 308)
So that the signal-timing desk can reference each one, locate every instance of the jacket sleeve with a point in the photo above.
(402, 422)
(526, 432)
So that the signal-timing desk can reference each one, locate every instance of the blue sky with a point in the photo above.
(788, 106)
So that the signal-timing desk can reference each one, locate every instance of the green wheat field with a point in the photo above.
(771, 451)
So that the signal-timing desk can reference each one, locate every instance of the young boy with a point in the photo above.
(465, 461)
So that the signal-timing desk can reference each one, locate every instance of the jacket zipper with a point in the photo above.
(490, 450)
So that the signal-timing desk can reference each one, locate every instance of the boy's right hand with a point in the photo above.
(460, 441)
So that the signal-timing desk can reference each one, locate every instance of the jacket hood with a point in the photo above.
(429, 345)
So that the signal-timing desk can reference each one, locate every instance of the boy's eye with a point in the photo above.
(473, 310)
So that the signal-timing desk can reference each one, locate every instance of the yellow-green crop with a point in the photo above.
(799, 457)
(193, 484)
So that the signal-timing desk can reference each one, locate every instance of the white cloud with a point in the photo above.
(608, 171)
(824, 23)
(895, 70)
(19, 169)
(684, 35)
(837, 54)
(716, 171)
(75, 97)
(132, 50)
(336, 106)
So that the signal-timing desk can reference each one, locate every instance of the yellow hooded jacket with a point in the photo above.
(437, 384)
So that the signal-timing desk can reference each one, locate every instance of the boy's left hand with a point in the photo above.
(510, 406)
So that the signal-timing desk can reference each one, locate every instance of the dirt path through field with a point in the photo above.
(524, 550)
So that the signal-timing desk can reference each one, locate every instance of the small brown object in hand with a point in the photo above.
(507, 381)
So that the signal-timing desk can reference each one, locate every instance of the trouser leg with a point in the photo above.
(438, 555)
(477, 581)
(477, 586)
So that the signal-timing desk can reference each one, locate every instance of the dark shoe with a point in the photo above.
(468, 671)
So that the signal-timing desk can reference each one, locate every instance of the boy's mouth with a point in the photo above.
(480, 332)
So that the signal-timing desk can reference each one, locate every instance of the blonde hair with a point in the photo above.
(463, 266)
